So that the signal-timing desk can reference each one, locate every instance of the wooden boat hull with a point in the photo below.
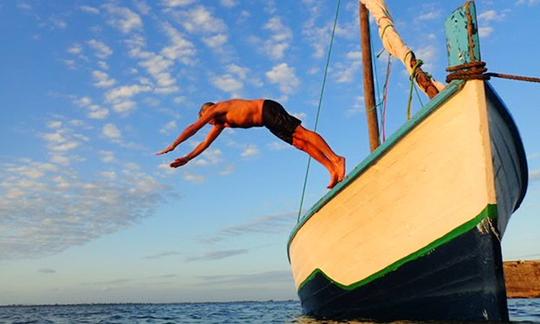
(422, 241)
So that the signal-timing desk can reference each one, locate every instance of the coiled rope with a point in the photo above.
(319, 107)
(478, 71)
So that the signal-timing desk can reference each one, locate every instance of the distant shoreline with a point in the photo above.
(522, 278)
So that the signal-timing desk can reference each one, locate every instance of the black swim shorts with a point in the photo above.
(278, 121)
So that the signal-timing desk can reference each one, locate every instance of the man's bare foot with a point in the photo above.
(341, 168)
(333, 182)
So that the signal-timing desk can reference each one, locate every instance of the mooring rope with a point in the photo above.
(319, 107)
(478, 71)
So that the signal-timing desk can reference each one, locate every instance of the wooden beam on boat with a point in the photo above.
(369, 89)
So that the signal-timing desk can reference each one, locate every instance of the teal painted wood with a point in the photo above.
(448, 92)
(462, 36)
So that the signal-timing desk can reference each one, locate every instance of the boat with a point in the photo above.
(414, 231)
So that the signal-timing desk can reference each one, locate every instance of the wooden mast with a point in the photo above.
(369, 89)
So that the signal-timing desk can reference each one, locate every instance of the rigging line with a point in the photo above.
(385, 95)
(319, 107)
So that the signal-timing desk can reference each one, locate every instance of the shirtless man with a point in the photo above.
(241, 113)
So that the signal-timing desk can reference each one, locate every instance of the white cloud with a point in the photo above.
(124, 92)
(430, 14)
(107, 156)
(102, 79)
(124, 107)
(124, 19)
(283, 75)
(350, 69)
(194, 178)
(201, 20)
(111, 132)
(180, 48)
(227, 170)
(485, 31)
(94, 111)
(534, 175)
(227, 83)
(280, 40)
(90, 10)
(177, 3)
(250, 151)
(169, 127)
(216, 41)
(48, 214)
(102, 51)
(75, 49)
(491, 15)
(528, 2)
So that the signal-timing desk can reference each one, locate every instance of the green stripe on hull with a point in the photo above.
(489, 212)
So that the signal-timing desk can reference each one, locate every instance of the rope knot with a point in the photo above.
(468, 71)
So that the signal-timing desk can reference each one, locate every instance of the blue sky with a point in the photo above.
(90, 90)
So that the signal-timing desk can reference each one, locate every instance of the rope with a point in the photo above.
(385, 95)
(412, 77)
(319, 107)
(478, 71)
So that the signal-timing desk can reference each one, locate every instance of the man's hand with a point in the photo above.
(179, 162)
(167, 150)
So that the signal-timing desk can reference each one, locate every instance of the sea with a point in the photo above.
(521, 311)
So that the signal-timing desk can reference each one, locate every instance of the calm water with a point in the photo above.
(521, 310)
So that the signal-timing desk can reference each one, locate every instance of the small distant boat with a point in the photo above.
(414, 231)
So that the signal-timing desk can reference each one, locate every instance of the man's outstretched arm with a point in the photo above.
(214, 133)
(191, 130)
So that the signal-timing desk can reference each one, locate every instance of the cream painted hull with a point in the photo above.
(458, 169)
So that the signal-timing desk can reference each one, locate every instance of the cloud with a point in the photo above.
(227, 83)
(217, 255)
(347, 71)
(102, 79)
(534, 175)
(194, 178)
(249, 279)
(216, 41)
(90, 10)
(107, 156)
(111, 132)
(124, 19)
(177, 3)
(75, 49)
(284, 76)
(124, 92)
(429, 14)
(162, 255)
(46, 271)
(169, 128)
(209, 157)
(485, 31)
(251, 150)
(491, 15)
(227, 170)
(266, 224)
(180, 48)
(201, 20)
(101, 49)
(47, 213)
(94, 111)
(528, 2)
(280, 39)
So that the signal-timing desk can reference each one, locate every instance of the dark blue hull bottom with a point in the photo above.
(461, 280)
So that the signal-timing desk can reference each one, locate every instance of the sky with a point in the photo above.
(90, 90)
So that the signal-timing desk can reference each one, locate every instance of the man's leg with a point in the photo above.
(318, 155)
(316, 146)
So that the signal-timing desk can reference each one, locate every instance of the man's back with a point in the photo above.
(238, 113)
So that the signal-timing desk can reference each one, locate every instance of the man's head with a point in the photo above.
(205, 106)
